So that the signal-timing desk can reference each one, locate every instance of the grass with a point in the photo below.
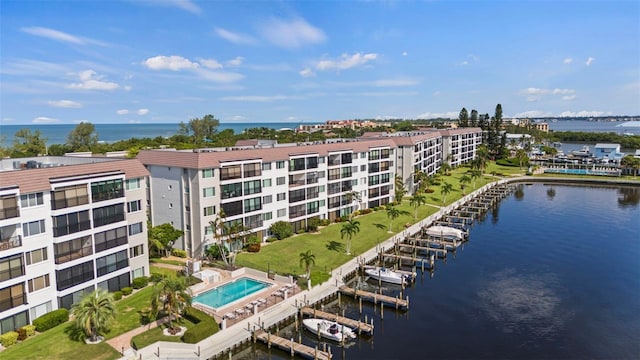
(130, 310)
(167, 261)
(163, 271)
(151, 336)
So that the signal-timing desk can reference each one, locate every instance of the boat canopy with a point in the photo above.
(445, 231)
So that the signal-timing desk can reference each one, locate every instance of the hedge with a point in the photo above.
(51, 319)
(9, 338)
(179, 253)
(126, 291)
(140, 282)
(30, 329)
(117, 295)
(205, 326)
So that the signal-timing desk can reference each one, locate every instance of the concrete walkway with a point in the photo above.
(122, 342)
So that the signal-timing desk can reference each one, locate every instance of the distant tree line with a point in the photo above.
(493, 134)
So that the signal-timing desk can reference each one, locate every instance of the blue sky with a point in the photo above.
(308, 62)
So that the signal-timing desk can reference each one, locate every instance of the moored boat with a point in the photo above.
(584, 152)
(329, 329)
(388, 275)
(445, 232)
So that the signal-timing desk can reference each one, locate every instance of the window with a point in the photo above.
(384, 178)
(363, 155)
(111, 238)
(266, 166)
(132, 184)
(312, 162)
(313, 207)
(321, 188)
(334, 174)
(282, 212)
(12, 296)
(33, 228)
(30, 200)
(296, 195)
(208, 230)
(36, 256)
(281, 180)
(296, 164)
(209, 192)
(40, 310)
(71, 223)
(209, 210)
(39, 283)
(312, 192)
(252, 204)
(74, 275)
(169, 187)
(252, 187)
(110, 263)
(136, 251)
(230, 172)
(69, 196)
(106, 190)
(267, 199)
(334, 159)
(363, 167)
(72, 249)
(10, 323)
(231, 190)
(9, 207)
(207, 173)
(374, 179)
(108, 215)
(133, 206)
(374, 154)
(251, 170)
(346, 172)
(297, 211)
(347, 158)
(267, 216)
(266, 183)
(135, 228)
(11, 267)
(281, 196)
(253, 221)
(354, 169)
(232, 208)
(68, 300)
(280, 165)
(115, 283)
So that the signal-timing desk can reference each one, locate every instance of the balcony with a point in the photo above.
(10, 243)
(9, 212)
(69, 202)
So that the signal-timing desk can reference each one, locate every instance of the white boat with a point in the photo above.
(388, 275)
(445, 232)
(584, 152)
(329, 329)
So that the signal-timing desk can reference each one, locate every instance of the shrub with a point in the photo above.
(281, 229)
(22, 334)
(51, 319)
(179, 253)
(312, 224)
(155, 277)
(300, 231)
(325, 222)
(254, 248)
(9, 338)
(126, 291)
(140, 282)
(117, 295)
(30, 329)
(205, 326)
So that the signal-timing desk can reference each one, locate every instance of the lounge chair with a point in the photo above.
(230, 316)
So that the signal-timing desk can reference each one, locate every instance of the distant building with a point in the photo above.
(608, 151)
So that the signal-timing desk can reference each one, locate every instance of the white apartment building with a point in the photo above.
(460, 145)
(68, 225)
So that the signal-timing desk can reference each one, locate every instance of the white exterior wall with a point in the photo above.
(166, 198)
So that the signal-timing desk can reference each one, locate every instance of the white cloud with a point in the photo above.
(174, 63)
(236, 62)
(65, 104)
(90, 80)
(142, 111)
(210, 63)
(583, 113)
(387, 117)
(569, 97)
(291, 34)
(589, 61)
(236, 38)
(346, 61)
(532, 114)
(307, 72)
(238, 118)
(259, 98)
(44, 120)
(395, 82)
(53, 34)
(122, 112)
(404, 53)
(220, 77)
(567, 61)
(563, 91)
(186, 5)
(536, 94)
(446, 115)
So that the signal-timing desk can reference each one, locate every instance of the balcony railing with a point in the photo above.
(69, 202)
(10, 243)
(9, 212)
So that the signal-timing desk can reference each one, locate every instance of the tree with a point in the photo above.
(200, 129)
(281, 229)
(83, 137)
(218, 230)
(475, 174)
(399, 188)
(481, 159)
(463, 118)
(171, 296)
(26, 143)
(94, 313)
(349, 228)
(416, 201)
(465, 179)
(522, 157)
(352, 196)
(631, 162)
(474, 118)
(308, 259)
(392, 213)
(445, 190)
(163, 237)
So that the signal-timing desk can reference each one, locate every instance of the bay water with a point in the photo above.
(552, 273)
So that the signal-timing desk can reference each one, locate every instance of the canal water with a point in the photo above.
(552, 273)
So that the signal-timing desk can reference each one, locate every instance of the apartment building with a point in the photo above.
(68, 225)
(256, 187)
(460, 144)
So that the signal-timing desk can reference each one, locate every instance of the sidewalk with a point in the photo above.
(122, 343)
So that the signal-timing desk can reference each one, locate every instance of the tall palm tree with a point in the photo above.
(349, 228)
(218, 229)
(445, 190)
(399, 188)
(94, 313)
(475, 174)
(416, 201)
(171, 296)
(308, 259)
(521, 155)
(353, 196)
(465, 179)
(392, 213)
(482, 157)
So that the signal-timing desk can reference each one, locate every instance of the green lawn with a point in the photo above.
(150, 336)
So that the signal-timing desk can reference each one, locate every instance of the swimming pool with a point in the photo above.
(583, 172)
(230, 292)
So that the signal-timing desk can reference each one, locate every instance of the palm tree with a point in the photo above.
(475, 174)
(416, 201)
(352, 196)
(308, 259)
(482, 157)
(171, 296)
(218, 229)
(399, 188)
(521, 155)
(94, 313)
(465, 179)
(392, 213)
(349, 228)
(445, 190)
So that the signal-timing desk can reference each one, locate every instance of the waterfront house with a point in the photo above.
(608, 151)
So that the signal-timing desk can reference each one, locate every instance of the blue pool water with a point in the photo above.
(230, 292)
(583, 172)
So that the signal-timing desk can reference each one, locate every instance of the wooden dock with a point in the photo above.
(357, 325)
(291, 346)
(376, 298)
